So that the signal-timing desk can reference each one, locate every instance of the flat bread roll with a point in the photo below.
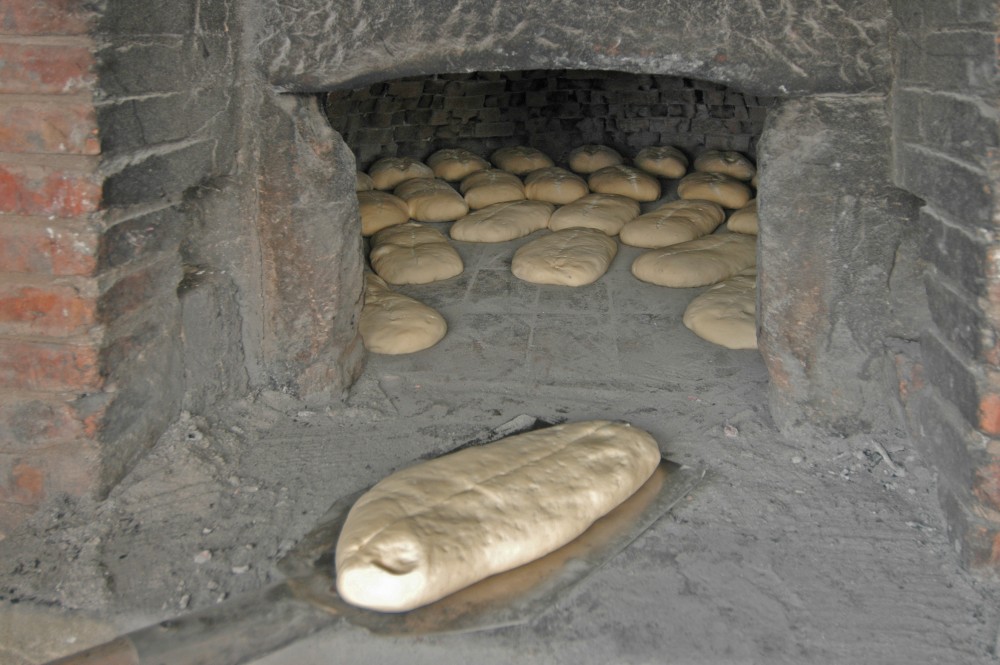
(431, 529)
(520, 159)
(590, 158)
(501, 222)
(672, 223)
(394, 324)
(554, 185)
(432, 200)
(707, 260)
(604, 212)
(363, 182)
(388, 172)
(745, 219)
(725, 314)
(484, 188)
(727, 162)
(571, 257)
(453, 164)
(728, 192)
(664, 161)
(380, 210)
(413, 254)
(625, 181)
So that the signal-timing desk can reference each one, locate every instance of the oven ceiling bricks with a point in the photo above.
(175, 231)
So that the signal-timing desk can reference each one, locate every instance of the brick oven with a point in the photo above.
(172, 195)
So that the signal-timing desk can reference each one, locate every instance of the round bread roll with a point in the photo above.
(431, 200)
(436, 527)
(453, 164)
(605, 212)
(726, 313)
(413, 254)
(726, 162)
(728, 192)
(625, 181)
(501, 222)
(380, 210)
(745, 219)
(484, 188)
(520, 159)
(363, 182)
(571, 257)
(392, 323)
(700, 262)
(664, 161)
(388, 172)
(590, 158)
(672, 223)
(554, 185)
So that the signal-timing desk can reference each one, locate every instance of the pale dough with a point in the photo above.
(484, 188)
(673, 223)
(727, 162)
(380, 210)
(745, 219)
(520, 159)
(605, 212)
(434, 528)
(393, 323)
(363, 182)
(664, 161)
(706, 260)
(725, 190)
(571, 257)
(625, 181)
(554, 185)
(590, 158)
(501, 222)
(725, 314)
(413, 254)
(453, 164)
(388, 172)
(431, 200)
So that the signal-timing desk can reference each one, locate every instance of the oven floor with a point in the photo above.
(806, 551)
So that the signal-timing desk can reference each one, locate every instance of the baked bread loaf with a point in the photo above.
(484, 188)
(520, 159)
(392, 323)
(431, 529)
(725, 314)
(412, 253)
(380, 210)
(664, 161)
(725, 190)
(388, 172)
(706, 260)
(625, 181)
(672, 223)
(727, 162)
(571, 257)
(589, 158)
(554, 184)
(745, 219)
(453, 164)
(604, 212)
(501, 222)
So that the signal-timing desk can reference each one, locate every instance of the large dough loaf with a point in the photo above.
(489, 186)
(592, 157)
(520, 159)
(745, 220)
(604, 212)
(725, 314)
(379, 210)
(431, 200)
(393, 323)
(665, 161)
(437, 527)
(625, 181)
(388, 172)
(672, 223)
(412, 253)
(571, 257)
(725, 190)
(554, 184)
(698, 262)
(501, 222)
(455, 163)
(727, 162)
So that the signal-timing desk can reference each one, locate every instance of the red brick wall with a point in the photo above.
(51, 376)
